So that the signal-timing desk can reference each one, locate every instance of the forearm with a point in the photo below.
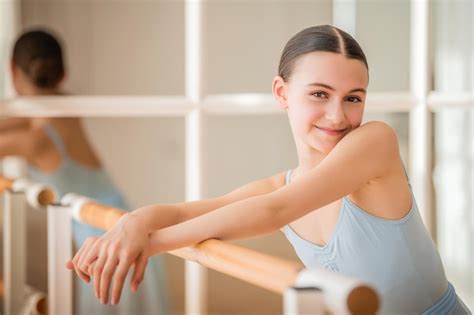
(154, 217)
(9, 124)
(243, 219)
(159, 216)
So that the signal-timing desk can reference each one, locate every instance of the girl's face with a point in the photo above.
(324, 98)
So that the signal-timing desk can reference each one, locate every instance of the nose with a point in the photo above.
(335, 111)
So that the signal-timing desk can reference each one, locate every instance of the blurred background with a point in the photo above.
(125, 47)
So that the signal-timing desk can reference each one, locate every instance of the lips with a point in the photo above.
(330, 131)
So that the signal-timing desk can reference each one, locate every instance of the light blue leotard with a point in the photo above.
(151, 297)
(397, 257)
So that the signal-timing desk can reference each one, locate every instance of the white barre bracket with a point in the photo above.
(14, 244)
(32, 191)
(75, 203)
(60, 288)
(304, 301)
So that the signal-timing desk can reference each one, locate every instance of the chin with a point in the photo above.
(323, 148)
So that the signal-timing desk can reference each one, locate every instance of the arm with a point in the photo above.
(22, 143)
(363, 155)
(8, 124)
(130, 235)
(155, 217)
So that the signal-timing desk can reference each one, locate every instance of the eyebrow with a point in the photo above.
(332, 89)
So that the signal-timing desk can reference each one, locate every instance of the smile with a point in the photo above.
(331, 132)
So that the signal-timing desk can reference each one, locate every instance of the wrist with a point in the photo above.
(136, 218)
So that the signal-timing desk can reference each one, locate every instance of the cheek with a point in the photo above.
(305, 116)
(355, 116)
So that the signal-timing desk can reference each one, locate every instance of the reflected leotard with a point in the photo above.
(151, 297)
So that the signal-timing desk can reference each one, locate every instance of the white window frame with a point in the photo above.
(196, 105)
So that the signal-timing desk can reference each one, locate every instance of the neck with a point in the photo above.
(308, 158)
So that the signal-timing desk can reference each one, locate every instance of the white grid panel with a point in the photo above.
(196, 105)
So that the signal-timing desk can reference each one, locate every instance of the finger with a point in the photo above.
(78, 257)
(139, 271)
(85, 277)
(69, 265)
(119, 279)
(97, 273)
(106, 277)
(90, 270)
(88, 256)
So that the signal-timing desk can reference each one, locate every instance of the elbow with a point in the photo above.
(278, 212)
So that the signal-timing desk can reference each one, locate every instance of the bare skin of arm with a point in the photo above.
(368, 153)
(19, 142)
(155, 217)
(9, 124)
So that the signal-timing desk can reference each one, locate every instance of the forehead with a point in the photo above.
(332, 69)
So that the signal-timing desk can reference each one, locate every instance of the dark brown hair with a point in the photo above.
(319, 38)
(39, 55)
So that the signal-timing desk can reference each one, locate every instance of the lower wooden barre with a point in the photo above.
(100, 216)
(271, 273)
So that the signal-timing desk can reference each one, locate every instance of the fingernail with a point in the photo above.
(114, 301)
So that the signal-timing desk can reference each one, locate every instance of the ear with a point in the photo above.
(13, 69)
(279, 91)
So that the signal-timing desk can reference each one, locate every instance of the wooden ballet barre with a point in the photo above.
(342, 294)
(37, 194)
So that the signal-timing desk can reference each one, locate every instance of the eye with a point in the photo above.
(320, 94)
(353, 99)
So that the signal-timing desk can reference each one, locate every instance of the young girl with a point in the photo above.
(59, 154)
(347, 206)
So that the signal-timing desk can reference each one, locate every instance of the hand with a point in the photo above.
(112, 255)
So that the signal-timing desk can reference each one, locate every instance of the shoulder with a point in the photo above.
(374, 139)
(376, 131)
(24, 142)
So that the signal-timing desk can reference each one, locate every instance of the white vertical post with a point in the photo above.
(344, 15)
(14, 244)
(59, 251)
(195, 274)
(14, 167)
(420, 116)
(304, 301)
(9, 24)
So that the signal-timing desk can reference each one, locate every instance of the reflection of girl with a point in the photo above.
(347, 206)
(59, 154)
